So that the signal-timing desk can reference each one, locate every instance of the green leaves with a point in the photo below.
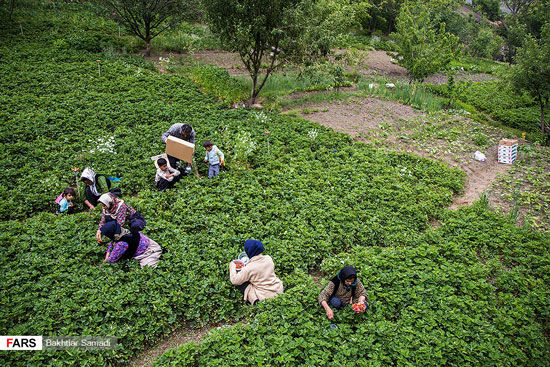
(423, 48)
(453, 297)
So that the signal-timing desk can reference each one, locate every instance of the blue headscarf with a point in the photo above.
(110, 228)
(253, 248)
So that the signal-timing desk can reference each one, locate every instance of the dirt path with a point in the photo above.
(181, 336)
(395, 126)
(376, 63)
(479, 176)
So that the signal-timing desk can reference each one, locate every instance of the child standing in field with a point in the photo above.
(66, 203)
(214, 157)
(166, 177)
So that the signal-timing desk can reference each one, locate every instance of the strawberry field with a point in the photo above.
(474, 291)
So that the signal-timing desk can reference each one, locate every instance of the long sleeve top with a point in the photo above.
(342, 293)
(214, 156)
(124, 212)
(162, 174)
(117, 248)
(260, 272)
(175, 130)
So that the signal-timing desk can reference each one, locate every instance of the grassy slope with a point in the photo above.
(309, 200)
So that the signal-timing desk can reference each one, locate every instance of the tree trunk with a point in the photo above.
(12, 3)
(148, 39)
(253, 93)
(542, 122)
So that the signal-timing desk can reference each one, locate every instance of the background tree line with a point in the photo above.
(426, 35)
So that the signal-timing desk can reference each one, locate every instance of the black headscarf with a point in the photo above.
(112, 228)
(347, 272)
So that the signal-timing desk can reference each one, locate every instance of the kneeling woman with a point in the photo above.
(115, 209)
(344, 289)
(257, 280)
(127, 245)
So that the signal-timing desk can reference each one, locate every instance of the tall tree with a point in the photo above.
(253, 28)
(267, 33)
(423, 48)
(147, 19)
(532, 72)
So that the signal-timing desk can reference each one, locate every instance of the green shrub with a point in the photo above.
(499, 101)
(486, 44)
(217, 81)
(480, 139)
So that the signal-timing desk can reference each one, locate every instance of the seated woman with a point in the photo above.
(256, 280)
(126, 245)
(115, 209)
(344, 289)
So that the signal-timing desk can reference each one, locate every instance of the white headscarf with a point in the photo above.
(88, 174)
(112, 203)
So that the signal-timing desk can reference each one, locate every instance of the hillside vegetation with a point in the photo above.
(472, 292)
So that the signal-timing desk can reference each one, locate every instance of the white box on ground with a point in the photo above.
(180, 149)
(507, 151)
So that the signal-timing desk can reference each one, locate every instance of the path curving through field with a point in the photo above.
(385, 124)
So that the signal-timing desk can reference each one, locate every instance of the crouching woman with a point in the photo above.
(342, 290)
(256, 280)
(115, 209)
(127, 245)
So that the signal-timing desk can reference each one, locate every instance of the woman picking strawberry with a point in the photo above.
(344, 289)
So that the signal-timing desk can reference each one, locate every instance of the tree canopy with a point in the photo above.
(146, 19)
(423, 48)
(532, 72)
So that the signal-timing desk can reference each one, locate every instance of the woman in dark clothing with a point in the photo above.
(344, 289)
(127, 245)
(96, 185)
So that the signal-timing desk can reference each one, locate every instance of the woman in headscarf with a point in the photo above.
(344, 289)
(115, 209)
(95, 186)
(127, 245)
(256, 280)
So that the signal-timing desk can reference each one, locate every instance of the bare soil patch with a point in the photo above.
(479, 176)
(380, 63)
(180, 336)
(358, 116)
(399, 127)
(376, 63)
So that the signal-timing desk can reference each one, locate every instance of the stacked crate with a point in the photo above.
(507, 151)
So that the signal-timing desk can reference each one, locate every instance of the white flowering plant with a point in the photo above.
(243, 147)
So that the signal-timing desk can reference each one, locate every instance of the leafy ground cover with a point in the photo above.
(451, 137)
(525, 192)
(501, 103)
(473, 292)
(316, 194)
